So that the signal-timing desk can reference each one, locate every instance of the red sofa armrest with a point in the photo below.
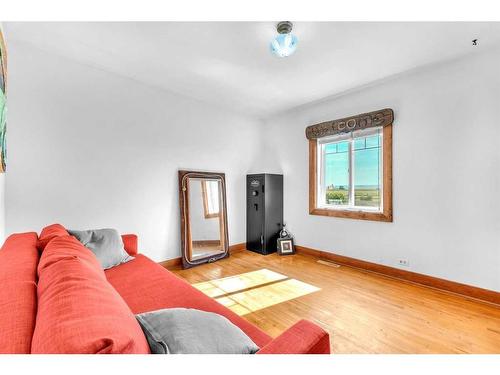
(303, 337)
(130, 243)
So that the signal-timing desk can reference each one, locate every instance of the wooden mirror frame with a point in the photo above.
(186, 243)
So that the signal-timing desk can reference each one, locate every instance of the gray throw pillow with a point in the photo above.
(191, 331)
(106, 244)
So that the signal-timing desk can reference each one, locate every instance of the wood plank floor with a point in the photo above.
(362, 311)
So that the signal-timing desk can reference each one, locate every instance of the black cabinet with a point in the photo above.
(264, 211)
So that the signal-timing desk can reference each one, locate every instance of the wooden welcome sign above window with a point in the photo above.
(382, 117)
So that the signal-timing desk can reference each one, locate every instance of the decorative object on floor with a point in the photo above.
(285, 43)
(191, 331)
(264, 211)
(202, 201)
(285, 246)
(285, 242)
(3, 108)
(284, 233)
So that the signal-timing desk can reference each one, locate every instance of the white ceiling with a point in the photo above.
(229, 63)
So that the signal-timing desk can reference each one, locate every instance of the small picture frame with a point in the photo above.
(285, 246)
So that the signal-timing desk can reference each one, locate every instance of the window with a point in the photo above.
(210, 191)
(350, 174)
(350, 171)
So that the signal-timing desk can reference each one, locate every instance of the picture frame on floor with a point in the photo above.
(286, 246)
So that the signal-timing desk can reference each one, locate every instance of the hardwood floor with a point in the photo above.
(363, 312)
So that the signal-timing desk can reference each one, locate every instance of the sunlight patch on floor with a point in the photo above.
(252, 291)
(221, 287)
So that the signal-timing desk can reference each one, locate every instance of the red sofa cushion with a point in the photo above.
(78, 310)
(18, 261)
(130, 244)
(302, 337)
(147, 286)
(49, 233)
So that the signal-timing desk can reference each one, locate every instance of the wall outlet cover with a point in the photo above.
(404, 262)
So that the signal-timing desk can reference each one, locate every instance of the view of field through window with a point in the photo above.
(366, 156)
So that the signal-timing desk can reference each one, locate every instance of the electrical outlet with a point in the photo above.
(404, 262)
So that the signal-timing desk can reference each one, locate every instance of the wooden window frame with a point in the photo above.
(385, 215)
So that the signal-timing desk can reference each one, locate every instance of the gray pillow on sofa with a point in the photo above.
(191, 331)
(106, 244)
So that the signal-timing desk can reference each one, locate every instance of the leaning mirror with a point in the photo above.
(202, 200)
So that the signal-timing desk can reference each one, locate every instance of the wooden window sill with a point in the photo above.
(349, 214)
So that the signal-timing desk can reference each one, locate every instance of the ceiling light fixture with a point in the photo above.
(285, 43)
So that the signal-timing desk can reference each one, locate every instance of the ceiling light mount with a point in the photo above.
(284, 27)
(285, 43)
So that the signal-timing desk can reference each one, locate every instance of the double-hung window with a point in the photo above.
(350, 171)
(351, 174)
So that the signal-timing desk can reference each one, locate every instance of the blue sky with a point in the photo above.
(366, 162)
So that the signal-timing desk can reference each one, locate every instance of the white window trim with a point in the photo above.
(321, 192)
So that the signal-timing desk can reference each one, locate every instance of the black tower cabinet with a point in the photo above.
(264, 211)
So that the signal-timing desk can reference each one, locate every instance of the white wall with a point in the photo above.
(446, 170)
(92, 149)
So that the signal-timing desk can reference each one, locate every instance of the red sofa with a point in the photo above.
(55, 298)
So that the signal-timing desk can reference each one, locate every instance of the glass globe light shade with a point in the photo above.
(284, 45)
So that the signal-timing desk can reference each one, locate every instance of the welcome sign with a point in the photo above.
(374, 119)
